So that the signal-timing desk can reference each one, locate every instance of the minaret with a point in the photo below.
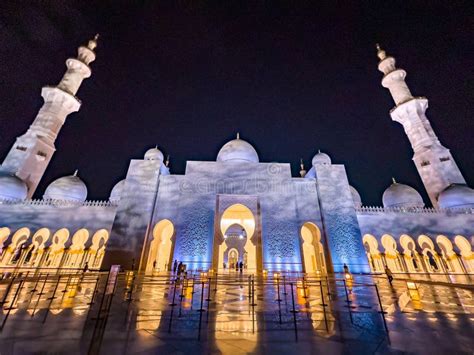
(32, 152)
(433, 161)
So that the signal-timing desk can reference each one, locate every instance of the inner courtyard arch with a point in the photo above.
(160, 254)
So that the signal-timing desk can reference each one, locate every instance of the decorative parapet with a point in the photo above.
(417, 210)
(58, 203)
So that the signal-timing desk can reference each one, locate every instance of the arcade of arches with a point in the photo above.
(312, 249)
(45, 249)
(419, 255)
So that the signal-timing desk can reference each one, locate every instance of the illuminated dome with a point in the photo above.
(116, 192)
(321, 158)
(456, 196)
(12, 188)
(67, 188)
(238, 150)
(355, 197)
(401, 196)
(154, 154)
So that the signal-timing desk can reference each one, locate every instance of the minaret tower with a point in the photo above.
(32, 152)
(433, 161)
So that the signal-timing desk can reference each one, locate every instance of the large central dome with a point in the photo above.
(238, 150)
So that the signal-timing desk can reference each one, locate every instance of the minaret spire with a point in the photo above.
(30, 155)
(302, 169)
(434, 162)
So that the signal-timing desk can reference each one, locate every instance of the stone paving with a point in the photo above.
(435, 318)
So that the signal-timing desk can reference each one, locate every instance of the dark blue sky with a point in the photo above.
(292, 79)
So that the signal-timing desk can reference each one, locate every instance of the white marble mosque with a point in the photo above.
(235, 208)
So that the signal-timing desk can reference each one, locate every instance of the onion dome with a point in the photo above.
(355, 197)
(154, 154)
(238, 150)
(67, 188)
(401, 196)
(116, 192)
(12, 188)
(456, 196)
(321, 158)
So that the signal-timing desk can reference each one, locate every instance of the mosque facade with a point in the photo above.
(236, 208)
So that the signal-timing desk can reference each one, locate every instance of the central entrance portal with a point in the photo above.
(237, 234)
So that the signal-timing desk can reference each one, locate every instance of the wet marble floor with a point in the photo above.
(234, 314)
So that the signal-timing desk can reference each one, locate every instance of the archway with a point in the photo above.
(159, 256)
(412, 259)
(373, 254)
(4, 233)
(35, 253)
(97, 249)
(15, 250)
(313, 251)
(466, 252)
(392, 257)
(430, 256)
(237, 228)
(76, 251)
(56, 249)
(452, 262)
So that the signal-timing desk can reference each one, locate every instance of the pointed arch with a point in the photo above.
(430, 256)
(392, 256)
(465, 248)
(35, 252)
(159, 256)
(56, 249)
(410, 253)
(97, 248)
(15, 250)
(371, 246)
(313, 250)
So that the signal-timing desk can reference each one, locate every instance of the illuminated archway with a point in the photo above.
(97, 249)
(430, 256)
(412, 258)
(238, 224)
(56, 249)
(313, 251)
(4, 233)
(159, 257)
(35, 253)
(15, 250)
(451, 260)
(466, 252)
(392, 257)
(76, 250)
(373, 254)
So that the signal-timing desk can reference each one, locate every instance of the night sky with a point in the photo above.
(292, 79)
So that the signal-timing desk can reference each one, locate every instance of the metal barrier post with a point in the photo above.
(381, 308)
(201, 309)
(20, 286)
(279, 299)
(348, 301)
(294, 311)
(324, 305)
(51, 299)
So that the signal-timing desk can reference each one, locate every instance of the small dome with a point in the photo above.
(67, 188)
(116, 192)
(456, 196)
(321, 158)
(238, 150)
(355, 197)
(154, 154)
(12, 188)
(401, 196)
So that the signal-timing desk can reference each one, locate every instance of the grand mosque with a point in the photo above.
(236, 208)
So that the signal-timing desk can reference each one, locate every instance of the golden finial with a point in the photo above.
(75, 172)
(92, 44)
(238, 135)
(380, 52)
(394, 181)
(167, 162)
(302, 171)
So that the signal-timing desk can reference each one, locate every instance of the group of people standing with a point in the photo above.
(179, 268)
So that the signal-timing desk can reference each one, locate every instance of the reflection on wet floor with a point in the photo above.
(232, 312)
